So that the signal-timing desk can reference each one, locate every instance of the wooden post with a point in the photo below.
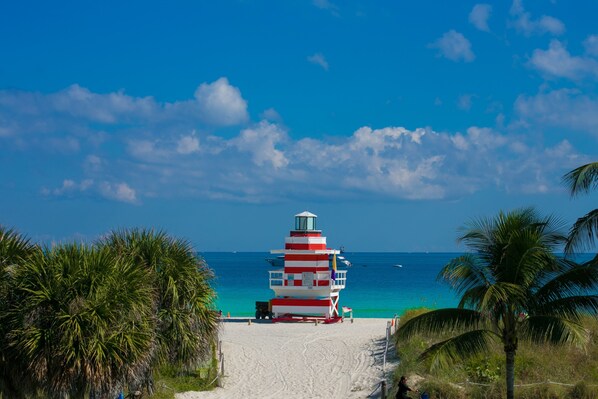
(383, 390)
(221, 372)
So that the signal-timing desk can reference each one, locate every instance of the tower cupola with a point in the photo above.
(305, 221)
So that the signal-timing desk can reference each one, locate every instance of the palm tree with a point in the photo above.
(187, 322)
(512, 287)
(14, 250)
(584, 231)
(83, 323)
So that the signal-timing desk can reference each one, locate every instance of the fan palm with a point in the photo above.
(512, 287)
(83, 322)
(14, 250)
(584, 231)
(187, 323)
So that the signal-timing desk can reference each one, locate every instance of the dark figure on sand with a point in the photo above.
(403, 389)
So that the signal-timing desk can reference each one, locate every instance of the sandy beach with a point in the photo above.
(300, 360)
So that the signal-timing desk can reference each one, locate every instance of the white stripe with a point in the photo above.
(306, 263)
(305, 240)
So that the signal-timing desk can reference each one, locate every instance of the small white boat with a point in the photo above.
(397, 265)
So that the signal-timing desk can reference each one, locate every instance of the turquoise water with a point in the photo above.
(375, 287)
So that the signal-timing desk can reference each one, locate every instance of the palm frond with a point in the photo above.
(464, 273)
(499, 293)
(573, 280)
(441, 320)
(553, 330)
(580, 180)
(452, 350)
(571, 307)
(583, 233)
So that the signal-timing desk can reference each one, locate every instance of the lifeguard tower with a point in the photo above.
(309, 285)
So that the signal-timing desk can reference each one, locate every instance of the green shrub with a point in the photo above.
(483, 370)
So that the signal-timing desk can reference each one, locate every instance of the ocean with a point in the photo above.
(375, 287)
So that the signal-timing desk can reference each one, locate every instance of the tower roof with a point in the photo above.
(306, 214)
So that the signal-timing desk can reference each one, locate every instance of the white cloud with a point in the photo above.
(479, 16)
(318, 59)
(591, 45)
(557, 62)
(118, 191)
(566, 108)
(148, 150)
(220, 103)
(523, 22)
(261, 142)
(188, 144)
(114, 191)
(141, 157)
(77, 112)
(271, 115)
(454, 46)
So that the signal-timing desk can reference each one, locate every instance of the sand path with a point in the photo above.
(300, 360)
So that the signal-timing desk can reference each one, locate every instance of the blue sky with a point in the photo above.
(395, 122)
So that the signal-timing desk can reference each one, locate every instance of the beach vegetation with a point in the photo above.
(15, 249)
(94, 320)
(187, 323)
(541, 370)
(513, 289)
(583, 233)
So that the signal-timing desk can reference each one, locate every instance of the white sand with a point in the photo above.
(300, 360)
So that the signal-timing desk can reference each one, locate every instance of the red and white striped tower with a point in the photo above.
(309, 285)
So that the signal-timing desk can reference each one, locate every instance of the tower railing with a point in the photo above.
(278, 278)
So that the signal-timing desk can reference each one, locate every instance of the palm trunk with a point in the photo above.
(510, 373)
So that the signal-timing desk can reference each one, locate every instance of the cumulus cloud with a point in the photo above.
(454, 46)
(591, 45)
(261, 142)
(271, 114)
(479, 16)
(558, 62)
(163, 156)
(524, 23)
(113, 191)
(68, 188)
(188, 144)
(220, 103)
(118, 191)
(318, 59)
(78, 111)
(565, 108)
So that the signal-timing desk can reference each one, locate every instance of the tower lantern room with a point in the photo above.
(305, 221)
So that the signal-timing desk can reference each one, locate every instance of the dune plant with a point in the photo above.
(187, 324)
(82, 323)
(15, 249)
(512, 287)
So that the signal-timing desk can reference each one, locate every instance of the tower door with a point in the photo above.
(308, 279)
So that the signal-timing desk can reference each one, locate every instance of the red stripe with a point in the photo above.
(306, 257)
(305, 269)
(302, 234)
(305, 246)
(300, 302)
